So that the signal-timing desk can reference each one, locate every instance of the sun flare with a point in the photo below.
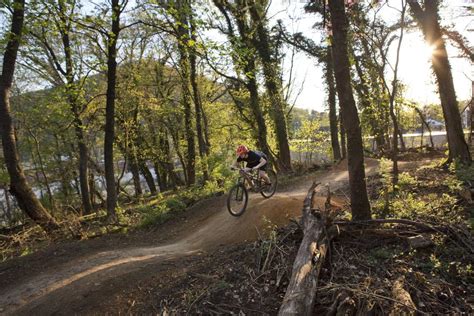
(429, 51)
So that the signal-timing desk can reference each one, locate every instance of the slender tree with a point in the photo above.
(19, 186)
(333, 122)
(358, 190)
(112, 38)
(183, 8)
(203, 146)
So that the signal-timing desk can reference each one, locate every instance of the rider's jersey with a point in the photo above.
(252, 160)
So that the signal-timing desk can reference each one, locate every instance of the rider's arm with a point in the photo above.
(235, 165)
(261, 163)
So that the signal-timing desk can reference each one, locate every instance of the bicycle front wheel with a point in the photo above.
(269, 190)
(237, 200)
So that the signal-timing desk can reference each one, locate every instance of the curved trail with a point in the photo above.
(89, 275)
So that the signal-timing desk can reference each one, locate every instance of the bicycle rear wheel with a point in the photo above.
(237, 200)
(269, 190)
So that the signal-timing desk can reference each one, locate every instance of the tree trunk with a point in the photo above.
(301, 292)
(43, 171)
(148, 177)
(161, 176)
(403, 147)
(393, 93)
(91, 180)
(110, 112)
(358, 191)
(247, 70)
(184, 63)
(333, 122)
(136, 177)
(272, 74)
(8, 207)
(426, 124)
(428, 20)
(343, 135)
(374, 113)
(203, 151)
(471, 125)
(72, 96)
(262, 143)
(19, 186)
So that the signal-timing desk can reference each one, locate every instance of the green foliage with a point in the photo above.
(429, 194)
(462, 172)
(405, 180)
(311, 139)
(163, 208)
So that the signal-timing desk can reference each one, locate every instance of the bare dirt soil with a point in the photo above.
(100, 275)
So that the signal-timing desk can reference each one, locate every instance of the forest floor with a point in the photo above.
(206, 261)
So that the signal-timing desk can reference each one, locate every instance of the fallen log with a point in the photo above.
(301, 291)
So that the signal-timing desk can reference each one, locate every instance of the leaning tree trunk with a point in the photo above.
(272, 72)
(148, 177)
(358, 191)
(19, 187)
(301, 292)
(429, 22)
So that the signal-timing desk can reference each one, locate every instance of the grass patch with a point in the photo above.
(162, 208)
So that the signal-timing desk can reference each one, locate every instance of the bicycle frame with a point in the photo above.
(252, 180)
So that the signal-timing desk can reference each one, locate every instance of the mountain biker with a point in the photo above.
(255, 161)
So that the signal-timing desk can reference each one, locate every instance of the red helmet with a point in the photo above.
(242, 149)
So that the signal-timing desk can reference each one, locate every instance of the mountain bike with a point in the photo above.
(249, 181)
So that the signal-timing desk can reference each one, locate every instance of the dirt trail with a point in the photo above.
(91, 276)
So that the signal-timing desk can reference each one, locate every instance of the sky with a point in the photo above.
(414, 68)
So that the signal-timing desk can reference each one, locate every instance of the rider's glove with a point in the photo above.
(254, 168)
(247, 169)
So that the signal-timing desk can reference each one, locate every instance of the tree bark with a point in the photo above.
(272, 74)
(110, 112)
(19, 186)
(301, 292)
(202, 145)
(428, 21)
(184, 63)
(358, 191)
(136, 177)
(343, 135)
(333, 122)
(148, 177)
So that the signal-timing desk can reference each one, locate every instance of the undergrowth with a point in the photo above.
(363, 266)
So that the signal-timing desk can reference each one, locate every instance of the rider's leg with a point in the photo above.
(264, 176)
